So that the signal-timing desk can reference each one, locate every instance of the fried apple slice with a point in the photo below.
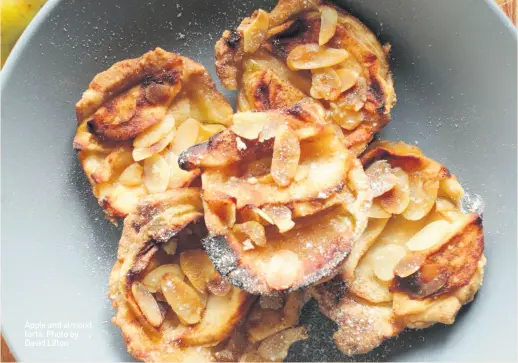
(349, 67)
(406, 272)
(310, 223)
(162, 315)
(143, 110)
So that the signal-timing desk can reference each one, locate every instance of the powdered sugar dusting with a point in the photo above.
(473, 203)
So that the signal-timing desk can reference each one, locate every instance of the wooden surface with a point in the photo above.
(509, 8)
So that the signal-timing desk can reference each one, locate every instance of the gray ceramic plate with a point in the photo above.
(455, 71)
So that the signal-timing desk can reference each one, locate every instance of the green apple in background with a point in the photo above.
(16, 15)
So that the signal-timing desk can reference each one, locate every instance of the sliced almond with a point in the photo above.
(156, 132)
(153, 280)
(201, 273)
(429, 236)
(253, 230)
(186, 135)
(397, 199)
(377, 212)
(286, 156)
(248, 125)
(132, 175)
(147, 304)
(449, 210)
(385, 260)
(225, 210)
(328, 22)
(325, 84)
(156, 174)
(281, 217)
(255, 33)
(348, 78)
(283, 269)
(451, 188)
(410, 264)
(313, 56)
(381, 178)
(346, 118)
(141, 153)
(423, 194)
(275, 348)
(265, 217)
(182, 298)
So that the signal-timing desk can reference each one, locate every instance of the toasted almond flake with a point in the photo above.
(283, 269)
(156, 132)
(252, 230)
(182, 298)
(286, 155)
(132, 175)
(451, 188)
(147, 304)
(410, 264)
(201, 273)
(385, 260)
(396, 200)
(325, 84)
(348, 78)
(156, 174)
(197, 267)
(328, 22)
(170, 246)
(255, 33)
(153, 280)
(219, 286)
(347, 119)
(186, 135)
(249, 124)
(281, 216)
(146, 152)
(381, 178)
(275, 348)
(423, 194)
(263, 215)
(377, 212)
(313, 56)
(429, 236)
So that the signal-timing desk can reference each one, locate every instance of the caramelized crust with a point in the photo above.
(134, 120)
(265, 79)
(419, 260)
